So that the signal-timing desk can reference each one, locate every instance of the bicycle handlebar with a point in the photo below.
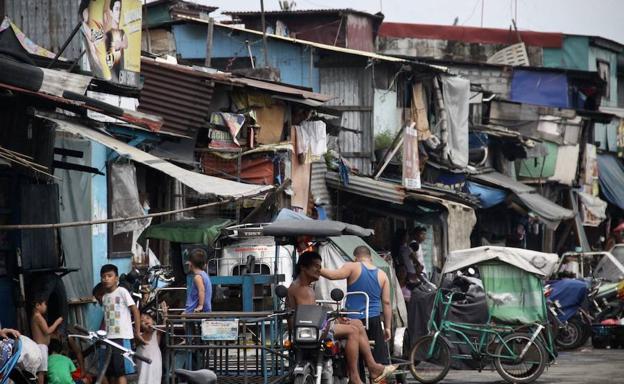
(93, 336)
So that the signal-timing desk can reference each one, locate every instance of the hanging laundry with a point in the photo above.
(311, 140)
(232, 121)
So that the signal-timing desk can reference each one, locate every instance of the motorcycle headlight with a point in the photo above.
(306, 334)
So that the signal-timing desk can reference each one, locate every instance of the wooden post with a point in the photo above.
(264, 38)
(207, 62)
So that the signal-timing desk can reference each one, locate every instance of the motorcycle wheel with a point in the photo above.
(520, 371)
(305, 378)
(430, 369)
(573, 334)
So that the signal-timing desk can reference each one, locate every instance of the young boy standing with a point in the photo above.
(200, 295)
(41, 334)
(118, 305)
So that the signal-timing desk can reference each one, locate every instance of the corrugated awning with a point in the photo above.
(368, 187)
(203, 184)
(550, 213)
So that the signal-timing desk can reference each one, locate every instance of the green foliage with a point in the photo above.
(383, 139)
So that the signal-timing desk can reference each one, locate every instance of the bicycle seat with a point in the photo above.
(201, 376)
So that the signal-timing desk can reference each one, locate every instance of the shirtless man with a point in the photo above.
(308, 270)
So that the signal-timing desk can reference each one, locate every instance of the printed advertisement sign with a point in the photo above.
(411, 166)
(112, 40)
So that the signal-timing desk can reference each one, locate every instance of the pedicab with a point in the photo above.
(515, 338)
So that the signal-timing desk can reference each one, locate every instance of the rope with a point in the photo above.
(107, 221)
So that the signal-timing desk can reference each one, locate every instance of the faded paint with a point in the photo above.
(360, 33)
(99, 240)
(47, 22)
(596, 54)
(447, 49)
(386, 114)
(295, 62)
(572, 55)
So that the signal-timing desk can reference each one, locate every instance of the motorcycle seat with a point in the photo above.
(201, 376)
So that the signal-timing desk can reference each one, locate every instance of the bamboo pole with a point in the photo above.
(107, 221)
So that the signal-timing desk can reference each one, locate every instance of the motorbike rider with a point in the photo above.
(308, 271)
(363, 276)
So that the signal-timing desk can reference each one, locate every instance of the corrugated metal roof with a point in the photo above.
(326, 47)
(318, 187)
(177, 93)
(203, 184)
(470, 34)
(182, 94)
(368, 187)
(296, 12)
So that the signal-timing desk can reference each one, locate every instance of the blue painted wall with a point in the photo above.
(99, 233)
(293, 60)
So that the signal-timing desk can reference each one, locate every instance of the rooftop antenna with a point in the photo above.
(482, 11)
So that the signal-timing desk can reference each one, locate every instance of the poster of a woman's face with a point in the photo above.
(107, 25)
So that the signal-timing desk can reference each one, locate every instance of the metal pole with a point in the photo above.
(264, 38)
(65, 44)
(482, 9)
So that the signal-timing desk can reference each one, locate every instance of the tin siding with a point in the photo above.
(293, 60)
(360, 33)
(47, 22)
(352, 87)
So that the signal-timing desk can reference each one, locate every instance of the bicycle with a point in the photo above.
(99, 337)
(517, 357)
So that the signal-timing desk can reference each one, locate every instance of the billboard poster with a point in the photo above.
(411, 165)
(112, 40)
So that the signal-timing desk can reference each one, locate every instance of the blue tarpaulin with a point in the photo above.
(540, 88)
(611, 176)
(571, 294)
(488, 196)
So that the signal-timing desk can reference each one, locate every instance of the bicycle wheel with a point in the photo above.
(429, 361)
(518, 370)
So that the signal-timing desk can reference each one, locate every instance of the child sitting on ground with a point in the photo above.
(60, 368)
(41, 334)
(149, 373)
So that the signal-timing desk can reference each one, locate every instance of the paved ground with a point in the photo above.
(586, 365)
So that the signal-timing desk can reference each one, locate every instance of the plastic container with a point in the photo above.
(604, 336)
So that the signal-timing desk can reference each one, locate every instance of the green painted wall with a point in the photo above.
(572, 55)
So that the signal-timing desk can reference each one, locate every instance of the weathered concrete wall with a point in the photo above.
(448, 50)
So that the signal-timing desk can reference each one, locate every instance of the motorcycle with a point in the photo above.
(567, 301)
(318, 358)
(143, 286)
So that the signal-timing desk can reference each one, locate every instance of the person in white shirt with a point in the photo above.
(118, 307)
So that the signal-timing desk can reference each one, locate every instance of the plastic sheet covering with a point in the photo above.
(456, 93)
(570, 293)
(75, 205)
(538, 263)
(540, 88)
(125, 201)
(488, 196)
(513, 296)
(594, 209)
(611, 176)
(196, 231)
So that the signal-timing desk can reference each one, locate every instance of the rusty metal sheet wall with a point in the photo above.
(47, 22)
(180, 97)
(318, 187)
(360, 33)
(353, 89)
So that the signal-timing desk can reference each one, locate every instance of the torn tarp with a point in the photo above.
(593, 209)
(611, 176)
(456, 93)
(548, 212)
